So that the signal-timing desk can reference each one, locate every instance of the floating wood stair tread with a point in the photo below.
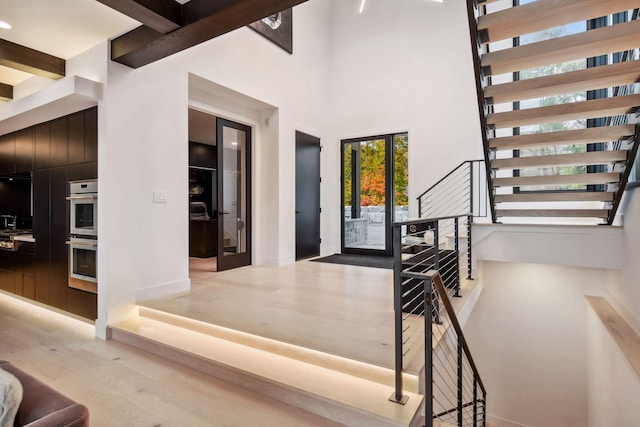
(566, 137)
(601, 41)
(614, 106)
(576, 179)
(550, 213)
(622, 73)
(563, 196)
(581, 159)
(543, 14)
(340, 397)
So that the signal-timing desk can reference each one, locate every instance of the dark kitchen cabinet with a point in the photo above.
(76, 138)
(54, 153)
(83, 171)
(202, 155)
(7, 154)
(42, 143)
(58, 279)
(91, 135)
(24, 150)
(42, 234)
(60, 142)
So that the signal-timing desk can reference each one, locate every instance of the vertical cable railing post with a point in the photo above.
(469, 260)
(436, 246)
(475, 403)
(484, 409)
(471, 187)
(460, 381)
(397, 303)
(428, 352)
(419, 207)
(456, 250)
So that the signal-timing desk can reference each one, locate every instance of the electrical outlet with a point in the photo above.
(160, 197)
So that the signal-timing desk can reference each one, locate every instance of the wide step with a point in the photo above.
(563, 196)
(551, 213)
(623, 73)
(592, 158)
(576, 179)
(615, 106)
(566, 137)
(340, 397)
(544, 14)
(602, 41)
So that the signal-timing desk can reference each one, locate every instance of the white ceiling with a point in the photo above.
(62, 28)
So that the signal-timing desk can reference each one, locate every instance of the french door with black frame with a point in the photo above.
(374, 192)
(234, 194)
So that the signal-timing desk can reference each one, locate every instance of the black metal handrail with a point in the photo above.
(424, 247)
(463, 191)
(631, 156)
(481, 82)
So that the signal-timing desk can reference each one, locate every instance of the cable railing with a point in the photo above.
(630, 145)
(431, 256)
(463, 191)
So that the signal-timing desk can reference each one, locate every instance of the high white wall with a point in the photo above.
(613, 385)
(143, 148)
(624, 285)
(401, 66)
(528, 334)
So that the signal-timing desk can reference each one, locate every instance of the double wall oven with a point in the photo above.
(83, 239)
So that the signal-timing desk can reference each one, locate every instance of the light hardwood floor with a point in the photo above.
(123, 386)
(339, 309)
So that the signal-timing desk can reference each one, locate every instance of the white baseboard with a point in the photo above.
(164, 289)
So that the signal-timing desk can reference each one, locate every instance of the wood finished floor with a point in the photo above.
(123, 386)
(339, 309)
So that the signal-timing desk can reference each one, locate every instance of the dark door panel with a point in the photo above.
(76, 138)
(42, 234)
(91, 135)
(24, 150)
(58, 281)
(307, 196)
(234, 194)
(60, 142)
(42, 139)
(7, 154)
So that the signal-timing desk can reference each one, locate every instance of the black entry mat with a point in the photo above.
(359, 260)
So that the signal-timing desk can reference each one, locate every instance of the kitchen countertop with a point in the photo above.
(24, 238)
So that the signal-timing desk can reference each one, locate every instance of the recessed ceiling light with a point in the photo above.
(5, 25)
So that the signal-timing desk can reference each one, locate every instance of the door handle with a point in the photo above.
(223, 213)
(297, 212)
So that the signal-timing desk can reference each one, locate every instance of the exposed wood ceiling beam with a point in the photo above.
(203, 20)
(163, 16)
(31, 61)
(6, 92)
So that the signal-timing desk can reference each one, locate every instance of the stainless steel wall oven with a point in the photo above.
(83, 230)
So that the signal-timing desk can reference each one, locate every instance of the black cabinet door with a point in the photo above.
(7, 154)
(91, 135)
(59, 280)
(59, 142)
(24, 150)
(202, 155)
(42, 142)
(41, 232)
(76, 138)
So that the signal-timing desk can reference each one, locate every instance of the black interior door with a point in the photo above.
(234, 194)
(307, 196)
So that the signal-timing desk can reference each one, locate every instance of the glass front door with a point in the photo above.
(234, 194)
(374, 191)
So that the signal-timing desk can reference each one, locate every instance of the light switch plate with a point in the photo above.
(160, 197)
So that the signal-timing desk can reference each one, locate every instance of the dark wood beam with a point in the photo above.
(31, 61)
(203, 19)
(6, 92)
(163, 16)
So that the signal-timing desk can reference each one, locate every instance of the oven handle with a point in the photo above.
(91, 245)
(92, 197)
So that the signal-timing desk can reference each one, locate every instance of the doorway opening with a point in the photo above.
(374, 192)
(219, 193)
